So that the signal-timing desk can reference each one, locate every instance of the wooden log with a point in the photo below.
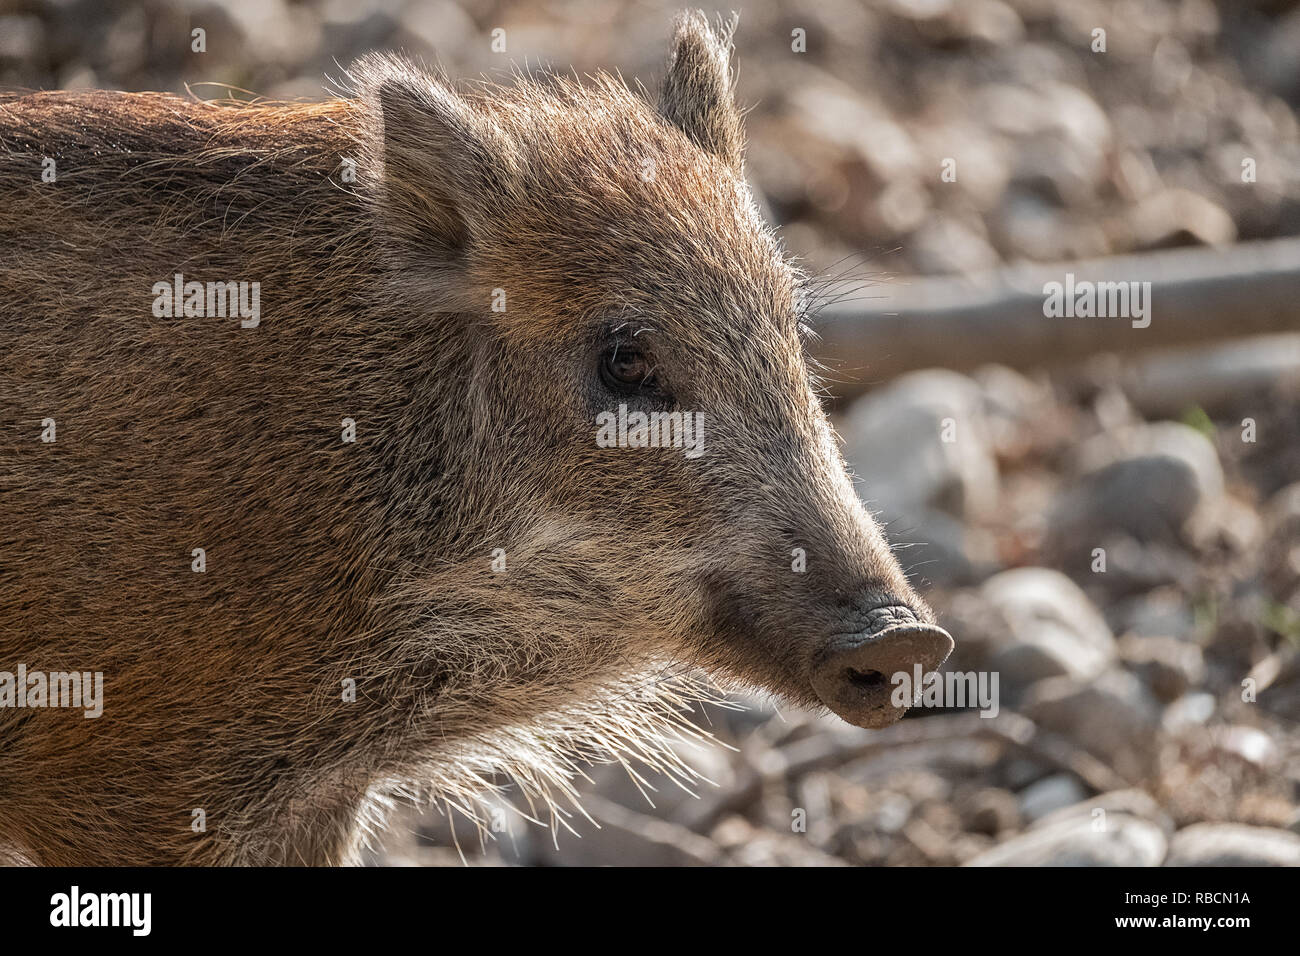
(1196, 295)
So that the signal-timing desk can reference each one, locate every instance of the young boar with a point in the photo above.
(382, 520)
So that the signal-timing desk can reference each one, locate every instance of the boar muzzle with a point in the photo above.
(853, 673)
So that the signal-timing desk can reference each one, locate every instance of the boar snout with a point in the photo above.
(853, 673)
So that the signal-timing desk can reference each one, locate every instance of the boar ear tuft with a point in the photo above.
(441, 162)
(697, 94)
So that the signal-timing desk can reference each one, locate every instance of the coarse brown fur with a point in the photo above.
(600, 215)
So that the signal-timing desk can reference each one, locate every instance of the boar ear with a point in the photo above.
(442, 163)
(697, 92)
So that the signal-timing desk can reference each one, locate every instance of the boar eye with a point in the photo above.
(625, 369)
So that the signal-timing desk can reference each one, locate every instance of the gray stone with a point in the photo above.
(894, 443)
(919, 448)
(1188, 711)
(1124, 840)
(1162, 612)
(1277, 60)
(1130, 565)
(1233, 844)
(22, 37)
(947, 245)
(1174, 216)
(1113, 717)
(1147, 481)
(944, 549)
(1012, 404)
(1133, 802)
(438, 24)
(1049, 627)
(1050, 794)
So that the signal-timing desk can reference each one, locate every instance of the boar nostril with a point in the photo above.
(853, 673)
(864, 678)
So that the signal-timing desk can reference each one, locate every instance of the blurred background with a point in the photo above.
(1114, 530)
